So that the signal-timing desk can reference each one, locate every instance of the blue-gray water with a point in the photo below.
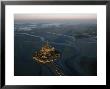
(76, 42)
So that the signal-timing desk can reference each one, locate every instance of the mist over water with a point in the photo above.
(75, 39)
(74, 21)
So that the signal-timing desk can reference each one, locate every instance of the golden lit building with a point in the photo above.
(47, 55)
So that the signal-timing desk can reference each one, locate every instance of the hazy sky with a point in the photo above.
(55, 16)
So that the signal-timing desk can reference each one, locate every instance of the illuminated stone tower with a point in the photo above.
(47, 55)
